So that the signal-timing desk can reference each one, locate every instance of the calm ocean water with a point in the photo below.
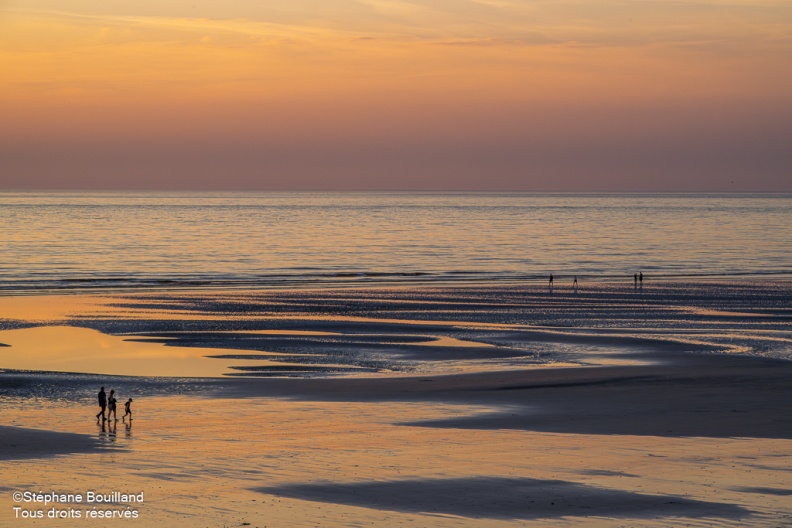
(63, 240)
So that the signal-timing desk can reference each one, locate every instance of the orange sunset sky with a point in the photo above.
(580, 95)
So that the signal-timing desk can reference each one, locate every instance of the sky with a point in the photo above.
(442, 95)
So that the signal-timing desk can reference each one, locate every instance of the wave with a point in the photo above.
(330, 278)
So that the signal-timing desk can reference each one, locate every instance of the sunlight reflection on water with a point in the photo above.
(139, 240)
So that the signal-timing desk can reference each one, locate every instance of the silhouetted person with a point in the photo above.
(127, 410)
(102, 403)
(574, 282)
(640, 278)
(111, 406)
(551, 280)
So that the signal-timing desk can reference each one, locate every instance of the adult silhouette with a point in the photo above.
(111, 406)
(102, 397)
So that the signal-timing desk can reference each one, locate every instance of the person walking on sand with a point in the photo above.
(640, 278)
(111, 406)
(551, 280)
(574, 282)
(102, 397)
(127, 410)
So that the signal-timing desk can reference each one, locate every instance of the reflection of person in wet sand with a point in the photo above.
(111, 406)
(102, 403)
(127, 410)
(108, 431)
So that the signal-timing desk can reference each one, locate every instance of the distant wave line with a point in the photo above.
(43, 285)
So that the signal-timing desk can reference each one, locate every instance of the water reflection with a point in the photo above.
(71, 349)
(56, 240)
(107, 431)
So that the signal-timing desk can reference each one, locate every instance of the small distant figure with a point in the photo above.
(640, 278)
(127, 410)
(551, 280)
(574, 282)
(111, 405)
(102, 397)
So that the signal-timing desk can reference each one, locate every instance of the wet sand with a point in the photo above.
(17, 443)
(605, 411)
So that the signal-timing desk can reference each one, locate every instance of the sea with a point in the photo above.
(130, 241)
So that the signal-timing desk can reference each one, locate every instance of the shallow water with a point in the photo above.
(396, 331)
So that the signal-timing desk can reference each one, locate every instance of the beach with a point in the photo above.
(484, 405)
(385, 263)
